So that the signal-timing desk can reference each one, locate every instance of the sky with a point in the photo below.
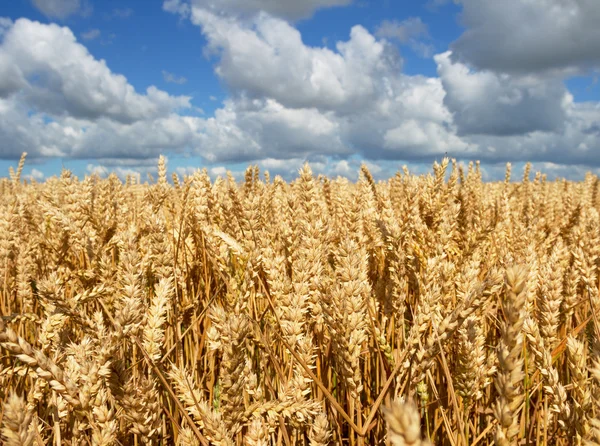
(100, 86)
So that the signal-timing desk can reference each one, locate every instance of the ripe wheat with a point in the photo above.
(432, 309)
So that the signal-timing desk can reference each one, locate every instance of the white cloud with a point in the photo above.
(500, 104)
(122, 172)
(530, 36)
(91, 34)
(412, 124)
(425, 139)
(61, 9)
(571, 172)
(133, 163)
(347, 168)
(122, 167)
(290, 99)
(35, 174)
(553, 171)
(267, 58)
(363, 100)
(218, 171)
(173, 78)
(342, 168)
(81, 109)
(288, 169)
(184, 171)
(287, 9)
(42, 136)
(57, 100)
(52, 73)
(289, 102)
(245, 130)
(415, 104)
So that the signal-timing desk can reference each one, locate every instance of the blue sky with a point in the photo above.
(102, 86)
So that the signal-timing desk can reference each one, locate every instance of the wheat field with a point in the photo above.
(432, 309)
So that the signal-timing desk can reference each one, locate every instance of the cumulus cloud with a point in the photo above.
(61, 9)
(74, 106)
(267, 58)
(484, 102)
(35, 174)
(425, 139)
(246, 130)
(289, 169)
(43, 136)
(58, 100)
(287, 9)
(288, 102)
(53, 73)
(283, 91)
(370, 107)
(530, 36)
(289, 98)
(281, 87)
